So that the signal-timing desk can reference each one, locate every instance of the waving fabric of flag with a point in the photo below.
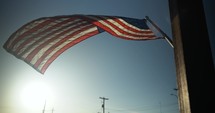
(41, 41)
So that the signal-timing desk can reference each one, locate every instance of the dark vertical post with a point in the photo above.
(103, 105)
(52, 110)
(193, 58)
(44, 108)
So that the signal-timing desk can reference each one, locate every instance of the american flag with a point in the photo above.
(41, 41)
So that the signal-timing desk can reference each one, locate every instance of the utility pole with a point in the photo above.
(160, 107)
(52, 110)
(103, 104)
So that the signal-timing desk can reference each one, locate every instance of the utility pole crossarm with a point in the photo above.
(103, 105)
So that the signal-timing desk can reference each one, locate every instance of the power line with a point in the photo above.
(153, 107)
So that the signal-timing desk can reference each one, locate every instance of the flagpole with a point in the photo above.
(44, 107)
(164, 34)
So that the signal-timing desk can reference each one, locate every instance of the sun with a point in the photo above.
(35, 94)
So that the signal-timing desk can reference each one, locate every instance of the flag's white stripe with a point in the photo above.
(116, 31)
(125, 29)
(65, 43)
(39, 32)
(44, 49)
(124, 35)
(140, 31)
(33, 34)
(47, 38)
(26, 28)
(132, 26)
(53, 35)
(123, 21)
(44, 27)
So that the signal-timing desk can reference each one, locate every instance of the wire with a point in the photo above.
(165, 107)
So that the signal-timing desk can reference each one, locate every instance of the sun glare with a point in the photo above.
(35, 94)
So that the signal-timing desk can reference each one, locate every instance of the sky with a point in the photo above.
(136, 76)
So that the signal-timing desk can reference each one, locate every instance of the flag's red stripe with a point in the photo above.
(7, 44)
(58, 44)
(95, 22)
(120, 30)
(36, 50)
(124, 37)
(10, 41)
(116, 19)
(30, 39)
(66, 47)
(29, 32)
(130, 28)
(42, 38)
(109, 30)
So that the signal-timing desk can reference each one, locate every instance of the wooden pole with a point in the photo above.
(193, 57)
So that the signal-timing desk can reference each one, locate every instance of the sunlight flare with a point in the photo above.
(34, 95)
